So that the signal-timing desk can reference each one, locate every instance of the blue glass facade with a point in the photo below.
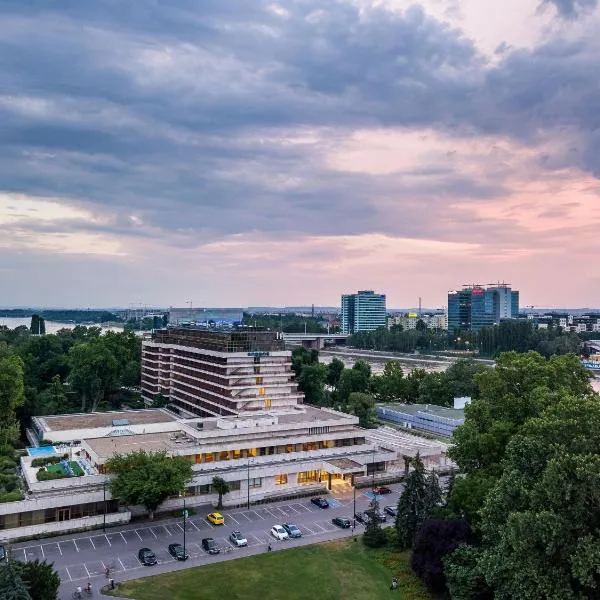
(365, 311)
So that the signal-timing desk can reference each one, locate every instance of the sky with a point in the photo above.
(250, 152)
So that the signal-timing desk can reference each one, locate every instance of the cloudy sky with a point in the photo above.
(249, 152)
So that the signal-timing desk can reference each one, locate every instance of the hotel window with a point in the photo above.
(308, 476)
(262, 391)
(237, 454)
(317, 430)
(256, 370)
(259, 380)
(255, 482)
(281, 479)
(224, 455)
(267, 402)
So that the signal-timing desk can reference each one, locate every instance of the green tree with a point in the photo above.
(362, 406)
(52, 400)
(433, 492)
(374, 536)
(435, 389)
(413, 385)
(12, 586)
(220, 486)
(356, 379)
(412, 505)
(312, 382)
(462, 377)
(334, 371)
(464, 577)
(159, 400)
(38, 325)
(94, 373)
(40, 578)
(302, 357)
(148, 478)
(391, 384)
(11, 396)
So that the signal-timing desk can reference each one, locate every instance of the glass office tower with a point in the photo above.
(364, 311)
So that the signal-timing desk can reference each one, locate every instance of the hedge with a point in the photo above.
(43, 475)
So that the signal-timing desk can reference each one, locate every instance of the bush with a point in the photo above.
(48, 460)
(7, 464)
(13, 496)
(43, 475)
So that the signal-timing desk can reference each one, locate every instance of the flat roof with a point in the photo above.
(105, 447)
(104, 419)
(440, 411)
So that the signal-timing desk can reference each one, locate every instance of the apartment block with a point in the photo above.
(363, 311)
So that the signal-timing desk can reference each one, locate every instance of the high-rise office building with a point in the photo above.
(475, 307)
(364, 311)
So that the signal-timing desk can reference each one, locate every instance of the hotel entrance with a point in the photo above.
(339, 474)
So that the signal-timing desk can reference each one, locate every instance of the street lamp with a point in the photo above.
(184, 514)
(249, 459)
(104, 516)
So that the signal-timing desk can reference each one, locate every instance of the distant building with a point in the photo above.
(425, 417)
(475, 307)
(205, 317)
(409, 321)
(364, 311)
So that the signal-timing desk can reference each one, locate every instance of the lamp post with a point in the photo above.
(248, 483)
(184, 514)
(104, 516)
(373, 474)
(354, 503)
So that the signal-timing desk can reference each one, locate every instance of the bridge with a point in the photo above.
(315, 340)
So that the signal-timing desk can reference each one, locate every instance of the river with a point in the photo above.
(51, 326)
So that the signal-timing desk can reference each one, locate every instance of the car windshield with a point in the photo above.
(292, 528)
(149, 554)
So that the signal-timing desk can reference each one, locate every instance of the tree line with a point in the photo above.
(511, 335)
(521, 519)
(74, 370)
(64, 315)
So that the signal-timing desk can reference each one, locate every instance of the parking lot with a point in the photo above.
(86, 557)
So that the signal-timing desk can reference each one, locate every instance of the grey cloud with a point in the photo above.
(571, 9)
(182, 114)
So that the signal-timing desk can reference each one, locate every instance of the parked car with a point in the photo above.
(341, 522)
(216, 518)
(177, 552)
(147, 557)
(362, 518)
(238, 539)
(210, 546)
(379, 515)
(3, 555)
(292, 530)
(320, 502)
(390, 510)
(279, 533)
(382, 489)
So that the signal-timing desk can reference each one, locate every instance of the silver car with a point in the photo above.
(238, 539)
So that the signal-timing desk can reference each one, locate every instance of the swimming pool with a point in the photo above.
(41, 451)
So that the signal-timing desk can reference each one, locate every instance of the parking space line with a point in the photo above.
(178, 525)
(210, 524)
(136, 531)
(110, 545)
(123, 537)
(235, 520)
(267, 510)
(294, 509)
(257, 539)
(194, 525)
(86, 569)
(281, 511)
(59, 548)
(69, 574)
(24, 553)
(152, 532)
(320, 527)
(76, 546)
(43, 555)
(92, 543)
(258, 514)
(245, 515)
(122, 565)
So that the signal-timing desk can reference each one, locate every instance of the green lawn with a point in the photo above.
(331, 571)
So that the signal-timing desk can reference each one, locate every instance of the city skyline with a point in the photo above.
(285, 153)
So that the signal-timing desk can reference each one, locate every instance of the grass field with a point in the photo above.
(331, 571)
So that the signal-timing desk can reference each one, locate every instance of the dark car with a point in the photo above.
(177, 552)
(147, 557)
(341, 522)
(390, 510)
(320, 502)
(292, 530)
(362, 518)
(210, 546)
(381, 490)
(371, 514)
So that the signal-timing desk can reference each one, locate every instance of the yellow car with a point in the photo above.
(216, 518)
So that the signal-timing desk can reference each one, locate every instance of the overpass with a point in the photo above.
(315, 340)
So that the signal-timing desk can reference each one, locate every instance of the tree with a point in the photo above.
(334, 372)
(464, 578)
(435, 389)
(38, 325)
(420, 325)
(148, 478)
(40, 578)
(362, 406)
(220, 486)
(391, 383)
(374, 536)
(356, 379)
(435, 539)
(12, 586)
(412, 505)
(159, 400)
(11, 396)
(301, 357)
(433, 492)
(413, 384)
(94, 372)
(312, 382)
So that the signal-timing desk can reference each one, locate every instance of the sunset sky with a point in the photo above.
(249, 152)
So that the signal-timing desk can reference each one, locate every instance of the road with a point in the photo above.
(83, 557)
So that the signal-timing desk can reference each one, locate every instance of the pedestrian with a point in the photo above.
(107, 571)
(394, 583)
(269, 547)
